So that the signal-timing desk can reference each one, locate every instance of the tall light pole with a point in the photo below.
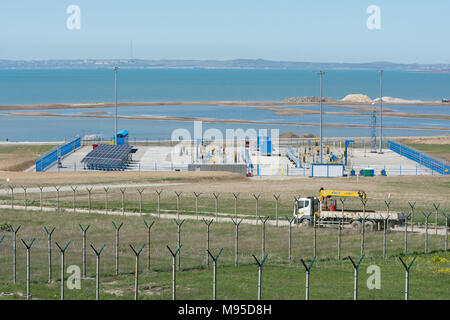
(381, 111)
(321, 73)
(115, 86)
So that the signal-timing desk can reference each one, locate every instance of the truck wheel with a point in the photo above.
(356, 225)
(306, 223)
(369, 225)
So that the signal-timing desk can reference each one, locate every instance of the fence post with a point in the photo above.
(196, 203)
(388, 205)
(179, 224)
(385, 227)
(257, 206)
(406, 233)
(446, 230)
(57, 197)
(63, 250)
(97, 276)
(236, 241)
(263, 235)
(364, 202)
(15, 231)
(28, 246)
(49, 238)
(25, 197)
(158, 192)
(74, 189)
(290, 238)
(178, 203)
(426, 230)
(136, 272)
(216, 196)
(343, 204)
(174, 271)
(314, 236)
(12, 195)
(260, 266)
(412, 205)
(149, 228)
(277, 198)
(355, 283)
(122, 190)
(83, 230)
(40, 197)
(140, 191)
(339, 238)
(117, 228)
(89, 190)
(106, 199)
(407, 267)
(236, 195)
(207, 239)
(214, 259)
(436, 207)
(308, 270)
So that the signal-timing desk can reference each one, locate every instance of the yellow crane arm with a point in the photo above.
(324, 194)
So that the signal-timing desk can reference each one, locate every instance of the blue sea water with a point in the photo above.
(25, 87)
(87, 85)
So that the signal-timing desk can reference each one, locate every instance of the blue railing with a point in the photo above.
(48, 159)
(419, 157)
(293, 158)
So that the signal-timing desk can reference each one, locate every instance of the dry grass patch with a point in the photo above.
(20, 157)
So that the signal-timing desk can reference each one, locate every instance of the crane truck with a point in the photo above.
(324, 209)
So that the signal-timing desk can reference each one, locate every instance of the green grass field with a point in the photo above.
(330, 278)
(441, 151)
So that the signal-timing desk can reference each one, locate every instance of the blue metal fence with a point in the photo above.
(419, 157)
(293, 158)
(52, 156)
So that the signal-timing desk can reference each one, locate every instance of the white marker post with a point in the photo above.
(63, 251)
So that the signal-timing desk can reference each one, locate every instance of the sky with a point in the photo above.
(286, 30)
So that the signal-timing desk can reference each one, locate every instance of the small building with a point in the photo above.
(327, 170)
(122, 138)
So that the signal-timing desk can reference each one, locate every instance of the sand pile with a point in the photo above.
(357, 98)
(397, 100)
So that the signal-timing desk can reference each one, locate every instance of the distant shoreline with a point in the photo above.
(91, 105)
(210, 120)
(230, 64)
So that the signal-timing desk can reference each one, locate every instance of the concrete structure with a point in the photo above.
(179, 156)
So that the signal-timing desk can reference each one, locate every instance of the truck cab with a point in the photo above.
(305, 209)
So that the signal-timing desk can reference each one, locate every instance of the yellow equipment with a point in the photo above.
(325, 194)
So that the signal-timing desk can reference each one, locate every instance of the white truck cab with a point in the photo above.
(305, 208)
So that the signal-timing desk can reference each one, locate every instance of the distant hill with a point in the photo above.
(216, 64)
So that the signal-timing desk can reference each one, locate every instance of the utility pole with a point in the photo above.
(381, 111)
(116, 69)
(321, 73)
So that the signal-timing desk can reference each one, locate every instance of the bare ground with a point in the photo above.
(421, 188)
(20, 157)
